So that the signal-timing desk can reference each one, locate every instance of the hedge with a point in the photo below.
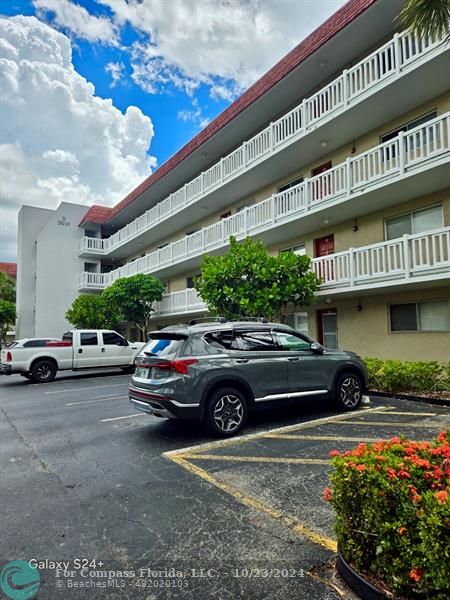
(392, 513)
(402, 376)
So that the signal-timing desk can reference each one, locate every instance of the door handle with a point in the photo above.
(80, 350)
(293, 358)
(103, 349)
(242, 360)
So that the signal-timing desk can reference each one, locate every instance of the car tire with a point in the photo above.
(43, 371)
(348, 391)
(226, 412)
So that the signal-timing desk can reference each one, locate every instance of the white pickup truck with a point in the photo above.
(77, 350)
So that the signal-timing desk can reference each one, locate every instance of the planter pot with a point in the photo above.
(356, 582)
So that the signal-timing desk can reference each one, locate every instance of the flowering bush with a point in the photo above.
(403, 376)
(392, 506)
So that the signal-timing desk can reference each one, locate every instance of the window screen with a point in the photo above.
(423, 316)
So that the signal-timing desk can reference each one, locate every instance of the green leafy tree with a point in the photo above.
(7, 318)
(427, 18)
(7, 288)
(248, 282)
(90, 311)
(133, 298)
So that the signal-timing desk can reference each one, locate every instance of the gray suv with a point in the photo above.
(218, 372)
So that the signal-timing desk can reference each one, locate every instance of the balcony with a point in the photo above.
(91, 281)
(178, 303)
(411, 259)
(411, 161)
(387, 64)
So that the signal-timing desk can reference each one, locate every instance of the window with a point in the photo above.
(89, 339)
(420, 316)
(225, 215)
(90, 267)
(111, 338)
(408, 126)
(298, 321)
(164, 344)
(37, 343)
(256, 341)
(190, 281)
(67, 337)
(414, 222)
(292, 343)
(299, 249)
(290, 184)
(90, 233)
(224, 340)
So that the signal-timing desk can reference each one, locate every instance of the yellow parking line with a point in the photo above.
(320, 438)
(291, 522)
(402, 412)
(391, 424)
(265, 459)
(254, 436)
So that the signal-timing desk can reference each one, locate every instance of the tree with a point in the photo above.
(90, 311)
(7, 288)
(248, 282)
(427, 18)
(133, 298)
(7, 318)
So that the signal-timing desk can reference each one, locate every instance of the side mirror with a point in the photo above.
(124, 342)
(317, 348)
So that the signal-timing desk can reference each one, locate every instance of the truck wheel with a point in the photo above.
(43, 371)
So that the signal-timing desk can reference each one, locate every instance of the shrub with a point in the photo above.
(392, 513)
(401, 376)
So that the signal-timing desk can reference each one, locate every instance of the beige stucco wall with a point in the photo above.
(366, 331)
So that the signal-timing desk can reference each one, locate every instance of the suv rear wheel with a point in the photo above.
(348, 391)
(226, 412)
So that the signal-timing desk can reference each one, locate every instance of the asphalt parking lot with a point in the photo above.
(85, 477)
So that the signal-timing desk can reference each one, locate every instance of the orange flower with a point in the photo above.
(416, 574)
(327, 494)
(402, 530)
(334, 453)
(441, 497)
(361, 468)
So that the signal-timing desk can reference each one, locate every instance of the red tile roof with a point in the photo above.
(97, 214)
(8, 268)
(340, 19)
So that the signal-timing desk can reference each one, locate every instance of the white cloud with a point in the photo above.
(116, 70)
(225, 44)
(78, 20)
(58, 140)
(195, 115)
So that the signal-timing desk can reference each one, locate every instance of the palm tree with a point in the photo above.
(427, 18)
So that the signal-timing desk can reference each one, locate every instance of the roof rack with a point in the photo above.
(207, 320)
(257, 319)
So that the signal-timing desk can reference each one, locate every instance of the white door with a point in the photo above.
(88, 354)
(115, 349)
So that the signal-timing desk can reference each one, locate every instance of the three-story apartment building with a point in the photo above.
(341, 151)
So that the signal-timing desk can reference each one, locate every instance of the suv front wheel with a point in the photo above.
(348, 391)
(226, 412)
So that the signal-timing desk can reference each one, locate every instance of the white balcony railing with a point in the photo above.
(384, 164)
(400, 259)
(181, 302)
(387, 63)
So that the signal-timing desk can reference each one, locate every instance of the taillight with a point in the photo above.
(181, 365)
(8, 357)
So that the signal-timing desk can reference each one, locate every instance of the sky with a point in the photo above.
(96, 94)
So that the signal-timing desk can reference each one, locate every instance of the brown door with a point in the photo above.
(327, 327)
(321, 187)
(323, 247)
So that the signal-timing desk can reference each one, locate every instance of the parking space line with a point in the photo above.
(125, 417)
(96, 400)
(391, 424)
(402, 412)
(261, 434)
(319, 438)
(83, 389)
(291, 522)
(254, 459)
